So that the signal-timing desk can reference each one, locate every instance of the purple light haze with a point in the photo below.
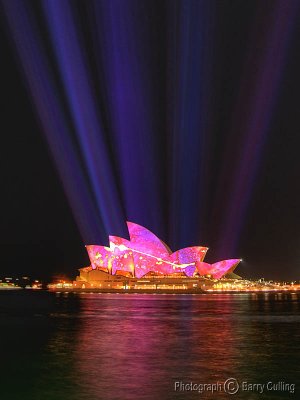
(262, 78)
(143, 152)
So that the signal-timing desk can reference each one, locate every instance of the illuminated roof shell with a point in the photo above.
(145, 252)
(218, 269)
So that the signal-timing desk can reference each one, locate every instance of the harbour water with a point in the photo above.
(66, 346)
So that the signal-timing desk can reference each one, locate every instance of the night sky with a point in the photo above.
(196, 99)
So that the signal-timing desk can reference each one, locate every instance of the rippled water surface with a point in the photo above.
(109, 346)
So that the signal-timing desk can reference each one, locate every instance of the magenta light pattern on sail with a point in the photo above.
(218, 269)
(145, 252)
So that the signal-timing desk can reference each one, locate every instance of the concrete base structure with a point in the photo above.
(98, 279)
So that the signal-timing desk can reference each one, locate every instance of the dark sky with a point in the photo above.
(38, 232)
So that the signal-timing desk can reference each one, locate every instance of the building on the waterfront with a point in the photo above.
(146, 261)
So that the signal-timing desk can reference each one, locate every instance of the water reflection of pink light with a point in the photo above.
(125, 341)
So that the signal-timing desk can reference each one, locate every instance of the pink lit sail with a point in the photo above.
(189, 254)
(218, 269)
(98, 255)
(145, 252)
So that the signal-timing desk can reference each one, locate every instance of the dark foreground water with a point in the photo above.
(96, 346)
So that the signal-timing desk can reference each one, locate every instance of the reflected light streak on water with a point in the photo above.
(101, 346)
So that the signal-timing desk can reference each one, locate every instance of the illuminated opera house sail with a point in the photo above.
(146, 254)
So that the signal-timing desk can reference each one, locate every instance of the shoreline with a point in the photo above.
(151, 291)
(166, 291)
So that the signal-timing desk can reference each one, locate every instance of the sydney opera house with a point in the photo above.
(146, 262)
